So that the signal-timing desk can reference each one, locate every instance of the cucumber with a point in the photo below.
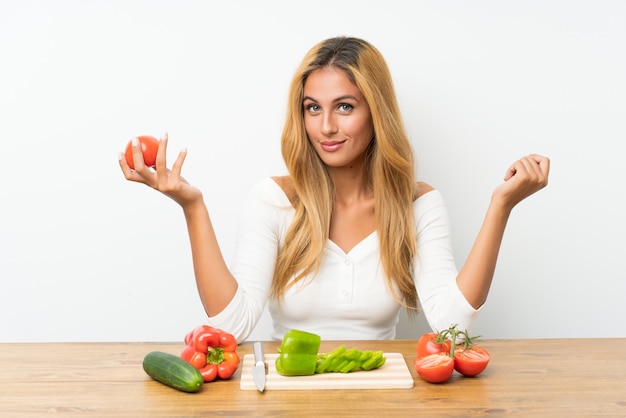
(172, 371)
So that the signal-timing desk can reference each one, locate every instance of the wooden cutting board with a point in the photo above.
(394, 374)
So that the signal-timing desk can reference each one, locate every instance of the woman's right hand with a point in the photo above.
(168, 182)
(523, 178)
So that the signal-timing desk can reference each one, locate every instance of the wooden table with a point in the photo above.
(531, 377)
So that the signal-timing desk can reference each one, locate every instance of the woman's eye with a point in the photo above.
(312, 108)
(344, 107)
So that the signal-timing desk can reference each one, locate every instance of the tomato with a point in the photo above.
(470, 361)
(427, 344)
(435, 368)
(149, 148)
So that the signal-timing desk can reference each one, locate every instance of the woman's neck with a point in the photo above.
(351, 186)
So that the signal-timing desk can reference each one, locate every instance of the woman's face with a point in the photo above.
(337, 118)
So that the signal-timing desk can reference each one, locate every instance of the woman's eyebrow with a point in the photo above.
(338, 99)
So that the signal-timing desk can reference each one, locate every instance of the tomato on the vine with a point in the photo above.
(439, 354)
(149, 148)
(427, 344)
(435, 368)
(470, 361)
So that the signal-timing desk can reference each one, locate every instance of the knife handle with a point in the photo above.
(258, 352)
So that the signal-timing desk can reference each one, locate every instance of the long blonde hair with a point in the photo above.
(391, 173)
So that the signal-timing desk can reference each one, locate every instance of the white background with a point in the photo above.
(87, 256)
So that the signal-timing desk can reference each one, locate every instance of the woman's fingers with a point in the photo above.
(161, 161)
(534, 167)
(138, 161)
(129, 173)
(178, 163)
(523, 178)
(542, 165)
(168, 182)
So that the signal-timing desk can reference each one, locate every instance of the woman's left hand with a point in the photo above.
(524, 177)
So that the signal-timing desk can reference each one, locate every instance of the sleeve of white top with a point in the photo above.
(254, 259)
(435, 270)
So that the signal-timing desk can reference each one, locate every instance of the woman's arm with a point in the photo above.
(523, 178)
(216, 285)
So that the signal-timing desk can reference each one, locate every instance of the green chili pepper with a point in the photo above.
(298, 353)
(298, 356)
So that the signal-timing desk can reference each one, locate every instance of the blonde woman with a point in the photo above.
(349, 237)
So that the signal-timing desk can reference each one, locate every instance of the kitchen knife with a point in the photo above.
(258, 370)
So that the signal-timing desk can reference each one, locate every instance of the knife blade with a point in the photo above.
(258, 370)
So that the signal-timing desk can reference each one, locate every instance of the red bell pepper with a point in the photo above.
(211, 351)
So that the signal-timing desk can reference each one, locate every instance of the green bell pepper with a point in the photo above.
(298, 353)
(298, 356)
(341, 360)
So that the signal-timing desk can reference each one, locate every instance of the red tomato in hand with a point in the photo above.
(427, 345)
(149, 148)
(471, 361)
(435, 368)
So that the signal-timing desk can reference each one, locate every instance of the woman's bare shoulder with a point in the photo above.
(284, 182)
(423, 188)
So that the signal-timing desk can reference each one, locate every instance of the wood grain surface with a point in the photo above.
(525, 378)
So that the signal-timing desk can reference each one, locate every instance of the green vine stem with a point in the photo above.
(456, 337)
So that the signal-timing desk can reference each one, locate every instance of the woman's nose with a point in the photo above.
(329, 124)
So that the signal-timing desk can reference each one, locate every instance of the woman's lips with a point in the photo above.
(331, 146)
